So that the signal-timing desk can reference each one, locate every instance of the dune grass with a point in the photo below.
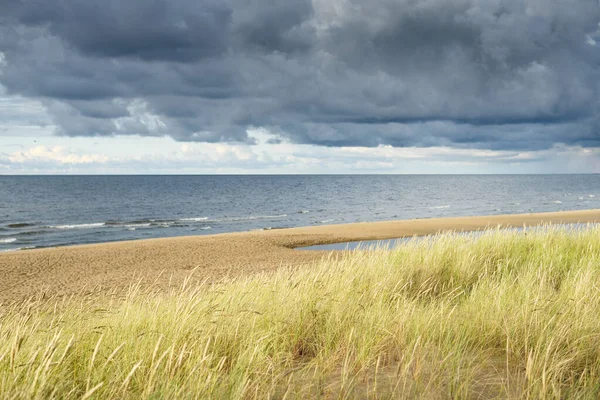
(504, 315)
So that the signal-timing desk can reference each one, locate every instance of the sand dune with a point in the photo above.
(166, 262)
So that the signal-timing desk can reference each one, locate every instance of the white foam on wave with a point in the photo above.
(591, 196)
(164, 224)
(135, 225)
(248, 218)
(9, 240)
(439, 207)
(557, 202)
(234, 219)
(78, 226)
(326, 221)
(253, 217)
(17, 249)
(205, 228)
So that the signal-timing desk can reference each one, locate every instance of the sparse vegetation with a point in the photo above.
(504, 315)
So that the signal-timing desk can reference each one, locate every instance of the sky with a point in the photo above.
(299, 87)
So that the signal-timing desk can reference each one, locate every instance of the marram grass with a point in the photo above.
(505, 315)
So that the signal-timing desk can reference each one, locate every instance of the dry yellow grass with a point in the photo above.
(505, 315)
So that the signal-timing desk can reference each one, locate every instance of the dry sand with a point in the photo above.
(166, 262)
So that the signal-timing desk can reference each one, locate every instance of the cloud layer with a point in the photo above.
(63, 155)
(486, 74)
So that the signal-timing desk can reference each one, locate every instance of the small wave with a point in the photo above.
(557, 202)
(9, 240)
(253, 217)
(20, 225)
(195, 219)
(206, 228)
(173, 224)
(136, 225)
(154, 222)
(439, 207)
(18, 249)
(30, 233)
(248, 218)
(26, 233)
(325, 221)
(78, 226)
(303, 212)
(141, 223)
(147, 223)
(591, 196)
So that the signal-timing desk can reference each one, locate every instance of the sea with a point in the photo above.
(45, 211)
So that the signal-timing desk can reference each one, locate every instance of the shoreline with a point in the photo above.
(167, 262)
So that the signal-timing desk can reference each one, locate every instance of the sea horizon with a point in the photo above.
(319, 174)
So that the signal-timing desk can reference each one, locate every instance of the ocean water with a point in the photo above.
(42, 211)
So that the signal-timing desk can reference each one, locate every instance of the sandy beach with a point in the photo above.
(86, 269)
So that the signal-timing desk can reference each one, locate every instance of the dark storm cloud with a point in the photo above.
(498, 74)
(273, 25)
(149, 29)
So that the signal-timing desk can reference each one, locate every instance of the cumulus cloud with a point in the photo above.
(493, 74)
(55, 155)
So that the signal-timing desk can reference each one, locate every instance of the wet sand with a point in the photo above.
(163, 263)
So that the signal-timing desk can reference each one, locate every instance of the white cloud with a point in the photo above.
(56, 154)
